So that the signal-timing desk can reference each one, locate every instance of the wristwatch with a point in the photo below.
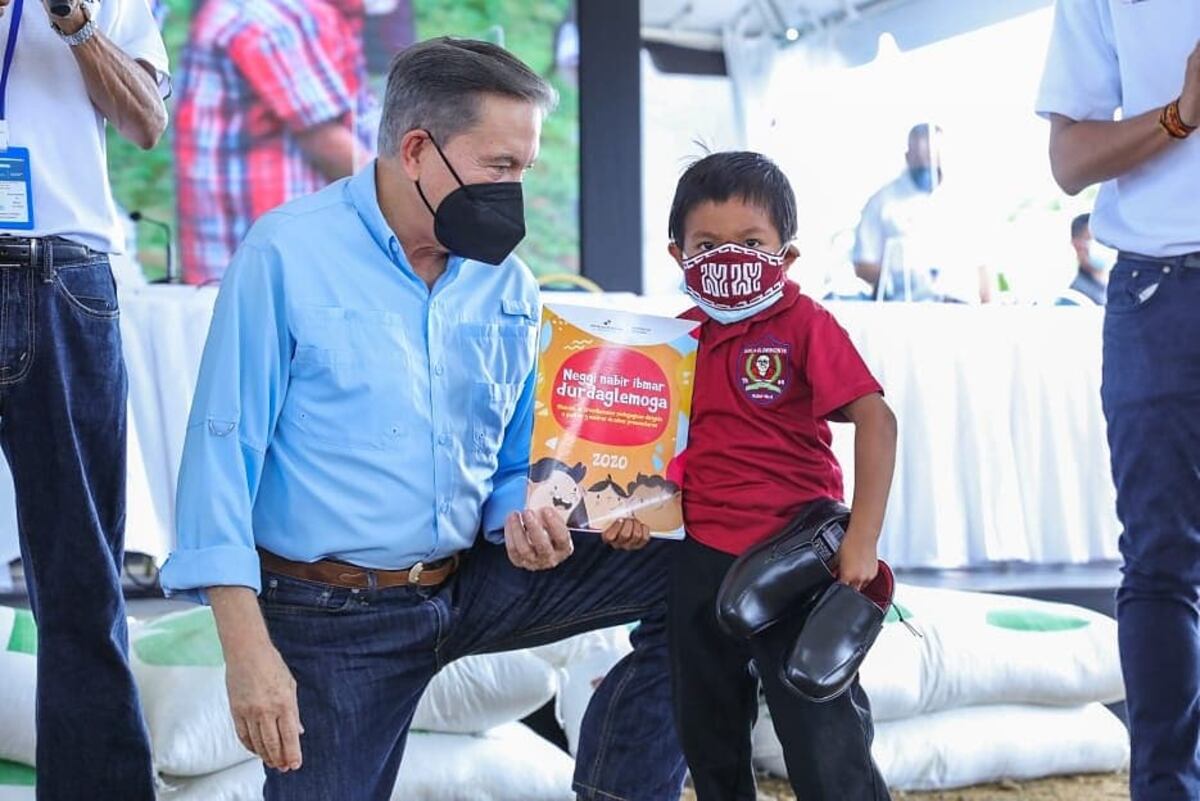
(89, 9)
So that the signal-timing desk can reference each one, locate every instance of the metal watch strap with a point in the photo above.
(83, 34)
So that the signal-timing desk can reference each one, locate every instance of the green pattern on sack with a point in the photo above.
(23, 639)
(188, 639)
(1033, 620)
(16, 775)
(893, 615)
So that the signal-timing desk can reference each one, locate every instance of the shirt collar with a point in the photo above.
(364, 196)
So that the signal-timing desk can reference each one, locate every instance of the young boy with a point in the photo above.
(773, 367)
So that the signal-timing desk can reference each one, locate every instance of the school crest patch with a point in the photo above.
(764, 371)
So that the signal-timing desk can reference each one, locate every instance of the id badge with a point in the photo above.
(16, 190)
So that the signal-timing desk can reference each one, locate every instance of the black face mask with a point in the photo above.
(481, 222)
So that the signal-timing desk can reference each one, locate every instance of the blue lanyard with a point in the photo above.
(9, 51)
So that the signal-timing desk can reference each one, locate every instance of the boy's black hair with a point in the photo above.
(751, 177)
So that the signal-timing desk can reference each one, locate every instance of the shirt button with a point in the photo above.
(445, 507)
(443, 439)
(439, 370)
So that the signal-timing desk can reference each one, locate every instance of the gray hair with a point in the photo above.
(437, 86)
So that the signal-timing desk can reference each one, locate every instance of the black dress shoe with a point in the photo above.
(783, 574)
(840, 630)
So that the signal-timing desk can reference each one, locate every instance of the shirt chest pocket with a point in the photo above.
(500, 350)
(350, 386)
(498, 355)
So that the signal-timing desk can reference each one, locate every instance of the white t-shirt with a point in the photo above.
(49, 113)
(1131, 55)
(917, 237)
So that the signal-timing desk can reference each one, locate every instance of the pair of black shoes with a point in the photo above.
(790, 574)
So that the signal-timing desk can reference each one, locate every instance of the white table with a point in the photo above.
(1002, 450)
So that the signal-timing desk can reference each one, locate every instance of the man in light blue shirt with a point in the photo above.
(363, 415)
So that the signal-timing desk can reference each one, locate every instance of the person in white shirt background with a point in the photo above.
(1094, 261)
(1142, 57)
(72, 68)
(914, 239)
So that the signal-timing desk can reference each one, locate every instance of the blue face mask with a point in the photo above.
(725, 317)
(925, 178)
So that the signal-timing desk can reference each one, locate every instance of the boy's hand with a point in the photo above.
(857, 561)
(627, 534)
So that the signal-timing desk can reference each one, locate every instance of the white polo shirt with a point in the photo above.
(903, 227)
(1130, 55)
(49, 113)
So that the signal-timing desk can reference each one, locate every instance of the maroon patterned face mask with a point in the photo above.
(732, 282)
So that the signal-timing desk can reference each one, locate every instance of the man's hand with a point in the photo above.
(1189, 101)
(1086, 153)
(627, 534)
(262, 692)
(857, 561)
(537, 539)
(55, 7)
(262, 697)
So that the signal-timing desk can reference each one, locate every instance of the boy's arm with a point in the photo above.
(874, 464)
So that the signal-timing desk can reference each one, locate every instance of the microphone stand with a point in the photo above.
(172, 276)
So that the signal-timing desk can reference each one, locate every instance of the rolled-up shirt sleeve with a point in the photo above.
(131, 26)
(512, 472)
(239, 394)
(1082, 78)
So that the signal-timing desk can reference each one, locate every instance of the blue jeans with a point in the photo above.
(361, 660)
(1151, 395)
(62, 428)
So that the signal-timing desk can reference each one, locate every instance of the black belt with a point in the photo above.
(1189, 261)
(31, 252)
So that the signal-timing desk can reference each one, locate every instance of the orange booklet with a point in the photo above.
(614, 395)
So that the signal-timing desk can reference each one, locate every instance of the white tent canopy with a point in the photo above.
(851, 27)
(753, 33)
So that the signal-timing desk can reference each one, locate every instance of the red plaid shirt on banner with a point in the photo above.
(256, 74)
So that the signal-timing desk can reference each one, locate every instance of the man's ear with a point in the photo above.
(676, 254)
(412, 147)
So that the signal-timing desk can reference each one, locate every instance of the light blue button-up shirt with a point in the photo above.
(345, 411)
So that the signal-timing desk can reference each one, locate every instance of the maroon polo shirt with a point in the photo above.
(759, 442)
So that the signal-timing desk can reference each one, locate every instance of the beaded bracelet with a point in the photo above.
(1171, 122)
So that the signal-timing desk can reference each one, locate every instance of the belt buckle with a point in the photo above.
(414, 573)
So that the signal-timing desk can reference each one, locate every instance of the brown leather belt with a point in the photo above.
(341, 574)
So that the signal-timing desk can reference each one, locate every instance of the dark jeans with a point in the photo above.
(362, 660)
(62, 428)
(1151, 395)
(826, 747)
